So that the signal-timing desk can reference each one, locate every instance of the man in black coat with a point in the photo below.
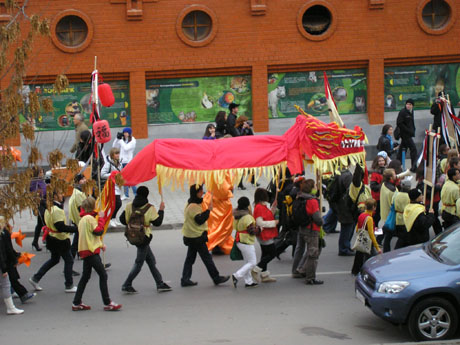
(436, 111)
(231, 120)
(406, 124)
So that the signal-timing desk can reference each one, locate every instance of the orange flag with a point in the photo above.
(25, 258)
(18, 236)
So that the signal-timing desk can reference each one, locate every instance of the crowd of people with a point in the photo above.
(280, 217)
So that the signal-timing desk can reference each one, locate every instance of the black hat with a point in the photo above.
(411, 101)
(414, 194)
(232, 106)
(142, 191)
(243, 203)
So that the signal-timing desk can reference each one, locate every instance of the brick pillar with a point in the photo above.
(138, 104)
(260, 98)
(375, 91)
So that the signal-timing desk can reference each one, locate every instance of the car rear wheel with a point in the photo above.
(433, 319)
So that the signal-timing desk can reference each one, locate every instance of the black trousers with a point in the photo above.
(360, 259)
(448, 219)
(117, 205)
(268, 254)
(39, 225)
(198, 245)
(13, 275)
(408, 143)
(90, 262)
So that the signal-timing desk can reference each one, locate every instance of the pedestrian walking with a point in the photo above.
(449, 195)
(194, 233)
(58, 243)
(38, 185)
(264, 215)
(245, 239)
(89, 246)
(144, 252)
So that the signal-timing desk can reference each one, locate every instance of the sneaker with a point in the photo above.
(80, 306)
(253, 285)
(35, 284)
(27, 296)
(113, 223)
(14, 295)
(107, 266)
(221, 279)
(314, 282)
(71, 289)
(255, 273)
(128, 289)
(75, 273)
(124, 197)
(163, 287)
(185, 283)
(234, 281)
(112, 307)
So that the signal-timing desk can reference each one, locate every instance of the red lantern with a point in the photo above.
(101, 131)
(106, 95)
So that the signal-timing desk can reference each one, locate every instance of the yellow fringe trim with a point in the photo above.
(336, 164)
(176, 178)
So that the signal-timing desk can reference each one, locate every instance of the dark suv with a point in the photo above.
(418, 286)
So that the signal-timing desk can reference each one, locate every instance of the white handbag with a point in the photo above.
(362, 242)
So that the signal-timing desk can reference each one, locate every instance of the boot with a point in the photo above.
(10, 308)
(255, 273)
(265, 277)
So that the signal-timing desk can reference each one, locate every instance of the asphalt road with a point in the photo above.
(285, 312)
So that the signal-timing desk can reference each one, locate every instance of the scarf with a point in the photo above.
(411, 212)
(391, 140)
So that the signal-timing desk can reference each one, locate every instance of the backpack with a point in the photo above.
(134, 232)
(299, 212)
(353, 205)
(397, 133)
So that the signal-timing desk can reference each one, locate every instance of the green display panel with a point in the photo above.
(75, 99)
(187, 100)
(306, 89)
(421, 83)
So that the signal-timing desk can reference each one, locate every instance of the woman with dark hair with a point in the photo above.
(386, 142)
(265, 219)
(221, 124)
(195, 235)
(210, 132)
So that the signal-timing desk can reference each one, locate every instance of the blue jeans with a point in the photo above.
(55, 257)
(144, 254)
(330, 221)
(346, 233)
(126, 188)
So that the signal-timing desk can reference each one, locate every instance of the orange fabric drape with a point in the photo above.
(220, 222)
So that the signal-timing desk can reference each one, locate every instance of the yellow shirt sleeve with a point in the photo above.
(370, 230)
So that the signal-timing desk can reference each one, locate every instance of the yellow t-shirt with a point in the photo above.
(75, 202)
(56, 215)
(401, 200)
(386, 197)
(86, 239)
(449, 195)
(366, 194)
(242, 224)
(190, 228)
(149, 216)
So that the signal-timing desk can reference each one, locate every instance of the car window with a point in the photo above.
(446, 247)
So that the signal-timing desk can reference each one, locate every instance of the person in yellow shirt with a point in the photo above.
(58, 243)
(245, 239)
(450, 193)
(194, 231)
(366, 218)
(144, 252)
(75, 202)
(89, 246)
(401, 200)
(386, 198)
(417, 220)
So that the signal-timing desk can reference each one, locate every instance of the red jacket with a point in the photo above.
(266, 214)
(377, 178)
(312, 206)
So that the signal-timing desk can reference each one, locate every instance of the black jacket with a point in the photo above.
(231, 120)
(436, 111)
(9, 255)
(385, 145)
(341, 208)
(419, 232)
(406, 124)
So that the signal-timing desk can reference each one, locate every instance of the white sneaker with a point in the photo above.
(113, 223)
(35, 284)
(124, 197)
(73, 289)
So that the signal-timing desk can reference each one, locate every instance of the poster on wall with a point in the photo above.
(306, 89)
(198, 99)
(75, 99)
(422, 84)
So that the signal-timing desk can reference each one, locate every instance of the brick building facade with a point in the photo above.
(138, 41)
